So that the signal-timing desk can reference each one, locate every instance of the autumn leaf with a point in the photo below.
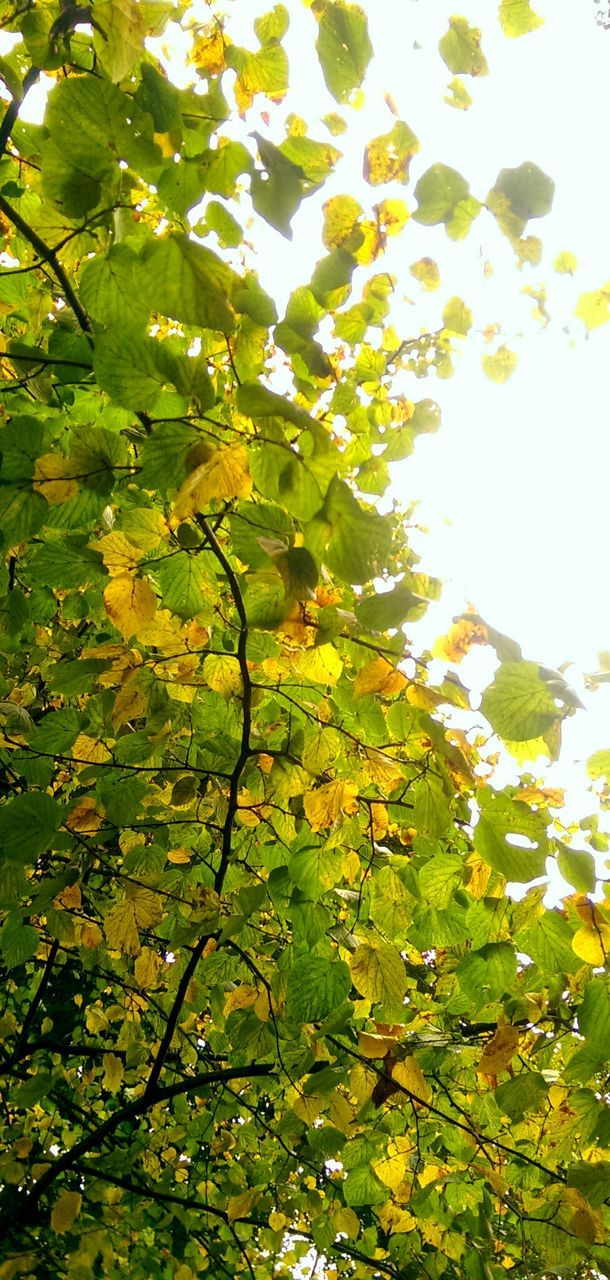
(130, 604)
(65, 1211)
(325, 805)
(224, 475)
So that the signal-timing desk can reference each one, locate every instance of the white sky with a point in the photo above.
(513, 489)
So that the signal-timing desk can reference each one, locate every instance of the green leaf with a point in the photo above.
(594, 1012)
(188, 282)
(443, 195)
(526, 1092)
(502, 822)
(527, 189)
(517, 18)
(343, 46)
(577, 867)
(316, 986)
(439, 878)
(186, 584)
(460, 49)
(18, 941)
(27, 825)
(519, 704)
(126, 366)
(357, 540)
(388, 609)
(549, 943)
(488, 974)
(273, 25)
(109, 289)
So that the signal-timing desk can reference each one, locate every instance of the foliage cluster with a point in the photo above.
(265, 991)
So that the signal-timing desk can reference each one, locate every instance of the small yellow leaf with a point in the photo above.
(395, 1219)
(224, 475)
(179, 857)
(130, 703)
(113, 1072)
(118, 553)
(391, 1168)
(410, 1075)
(120, 927)
(222, 674)
(324, 806)
(499, 1051)
(208, 52)
(277, 1221)
(147, 967)
(147, 906)
(379, 676)
(592, 944)
(130, 603)
(86, 750)
(427, 274)
(322, 665)
(53, 479)
(88, 934)
(371, 1046)
(347, 1221)
(241, 1205)
(70, 898)
(460, 638)
(65, 1211)
(86, 816)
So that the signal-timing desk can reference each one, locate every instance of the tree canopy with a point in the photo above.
(269, 992)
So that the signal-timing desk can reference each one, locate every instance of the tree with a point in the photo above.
(266, 993)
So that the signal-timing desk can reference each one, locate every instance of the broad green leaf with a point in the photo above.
(187, 281)
(185, 585)
(525, 1093)
(460, 49)
(577, 867)
(18, 941)
(343, 46)
(501, 832)
(28, 823)
(489, 973)
(315, 987)
(126, 366)
(519, 704)
(443, 195)
(594, 1012)
(528, 191)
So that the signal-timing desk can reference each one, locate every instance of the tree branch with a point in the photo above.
(48, 255)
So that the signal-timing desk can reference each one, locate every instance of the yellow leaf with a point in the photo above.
(240, 1206)
(382, 770)
(113, 1072)
(243, 997)
(130, 703)
(394, 1219)
(460, 638)
(222, 674)
(118, 553)
(371, 1046)
(208, 52)
(553, 796)
(179, 857)
(592, 944)
(147, 906)
(324, 806)
(53, 479)
(410, 1075)
(380, 819)
(224, 475)
(322, 665)
(86, 816)
(69, 899)
(89, 750)
(341, 218)
(130, 603)
(88, 934)
(480, 872)
(147, 967)
(65, 1211)
(379, 676)
(427, 274)
(277, 1221)
(499, 1051)
(391, 1168)
(347, 1221)
(120, 927)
